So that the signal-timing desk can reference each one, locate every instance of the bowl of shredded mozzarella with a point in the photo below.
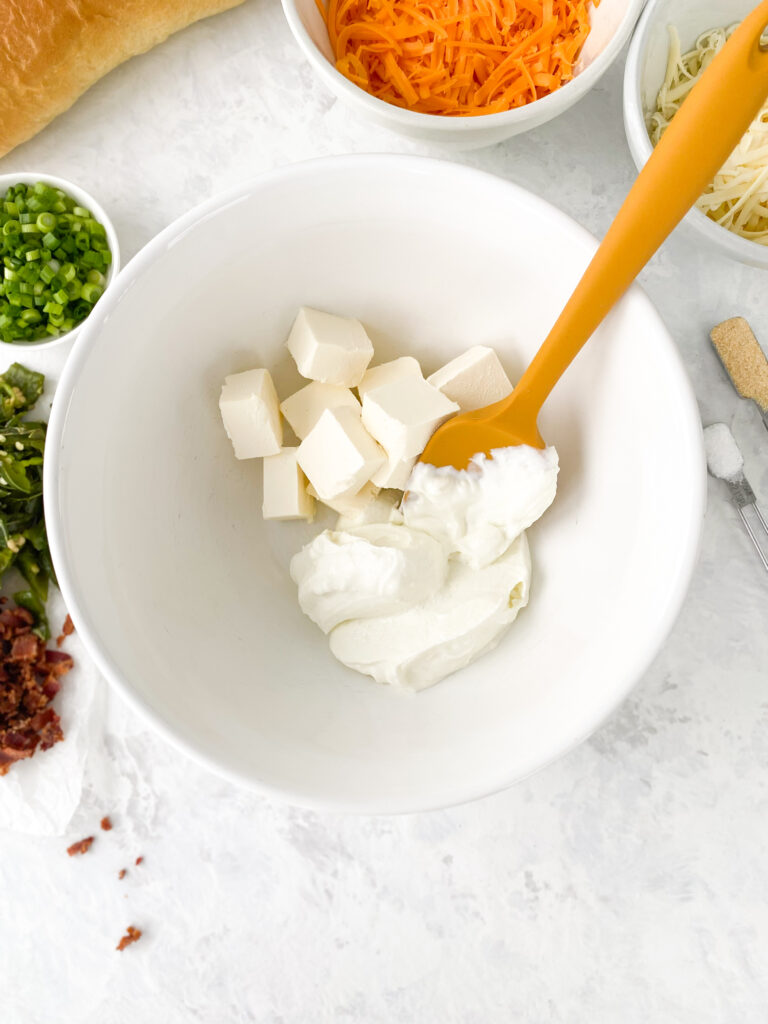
(674, 43)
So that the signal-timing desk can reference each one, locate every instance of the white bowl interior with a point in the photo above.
(182, 591)
(646, 67)
(612, 23)
(89, 202)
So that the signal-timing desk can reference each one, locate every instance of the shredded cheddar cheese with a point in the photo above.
(457, 57)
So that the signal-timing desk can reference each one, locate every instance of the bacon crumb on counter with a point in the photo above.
(106, 824)
(139, 860)
(29, 680)
(66, 630)
(131, 935)
(122, 873)
(81, 846)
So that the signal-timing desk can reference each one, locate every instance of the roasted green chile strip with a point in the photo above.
(23, 540)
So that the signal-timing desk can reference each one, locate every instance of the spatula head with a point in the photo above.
(495, 426)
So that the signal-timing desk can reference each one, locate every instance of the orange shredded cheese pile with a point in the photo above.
(457, 57)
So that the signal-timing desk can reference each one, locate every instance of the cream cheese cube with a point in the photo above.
(338, 455)
(385, 373)
(394, 473)
(328, 348)
(351, 505)
(404, 414)
(473, 379)
(285, 488)
(249, 409)
(304, 408)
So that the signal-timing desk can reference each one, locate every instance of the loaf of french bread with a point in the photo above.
(51, 51)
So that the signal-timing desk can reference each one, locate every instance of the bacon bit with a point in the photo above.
(122, 873)
(106, 824)
(29, 680)
(81, 846)
(139, 860)
(131, 935)
(66, 630)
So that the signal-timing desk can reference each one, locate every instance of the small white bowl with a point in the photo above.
(86, 200)
(181, 590)
(612, 24)
(644, 75)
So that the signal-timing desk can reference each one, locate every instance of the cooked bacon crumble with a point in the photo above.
(81, 846)
(106, 824)
(131, 935)
(29, 680)
(66, 630)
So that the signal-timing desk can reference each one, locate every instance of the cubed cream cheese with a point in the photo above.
(251, 415)
(352, 506)
(285, 488)
(473, 379)
(385, 373)
(304, 408)
(328, 348)
(403, 414)
(394, 473)
(338, 455)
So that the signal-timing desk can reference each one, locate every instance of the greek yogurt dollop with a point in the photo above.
(413, 599)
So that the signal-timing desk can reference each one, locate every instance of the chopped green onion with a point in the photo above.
(55, 258)
(46, 221)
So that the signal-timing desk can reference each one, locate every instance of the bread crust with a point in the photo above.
(51, 51)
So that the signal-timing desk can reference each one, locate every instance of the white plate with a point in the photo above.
(181, 591)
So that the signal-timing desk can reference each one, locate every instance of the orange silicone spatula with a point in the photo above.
(701, 136)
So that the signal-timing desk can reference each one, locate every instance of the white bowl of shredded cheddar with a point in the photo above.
(463, 75)
(674, 42)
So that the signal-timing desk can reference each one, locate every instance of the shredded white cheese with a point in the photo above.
(738, 197)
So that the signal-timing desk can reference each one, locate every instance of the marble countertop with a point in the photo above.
(625, 883)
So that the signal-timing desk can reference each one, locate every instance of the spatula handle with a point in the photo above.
(700, 138)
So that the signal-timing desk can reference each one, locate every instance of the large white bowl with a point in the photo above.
(181, 591)
(643, 77)
(612, 24)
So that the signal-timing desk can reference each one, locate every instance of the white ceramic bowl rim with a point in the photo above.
(84, 197)
(641, 147)
(580, 727)
(463, 125)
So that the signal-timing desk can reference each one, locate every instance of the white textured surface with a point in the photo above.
(624, 883)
